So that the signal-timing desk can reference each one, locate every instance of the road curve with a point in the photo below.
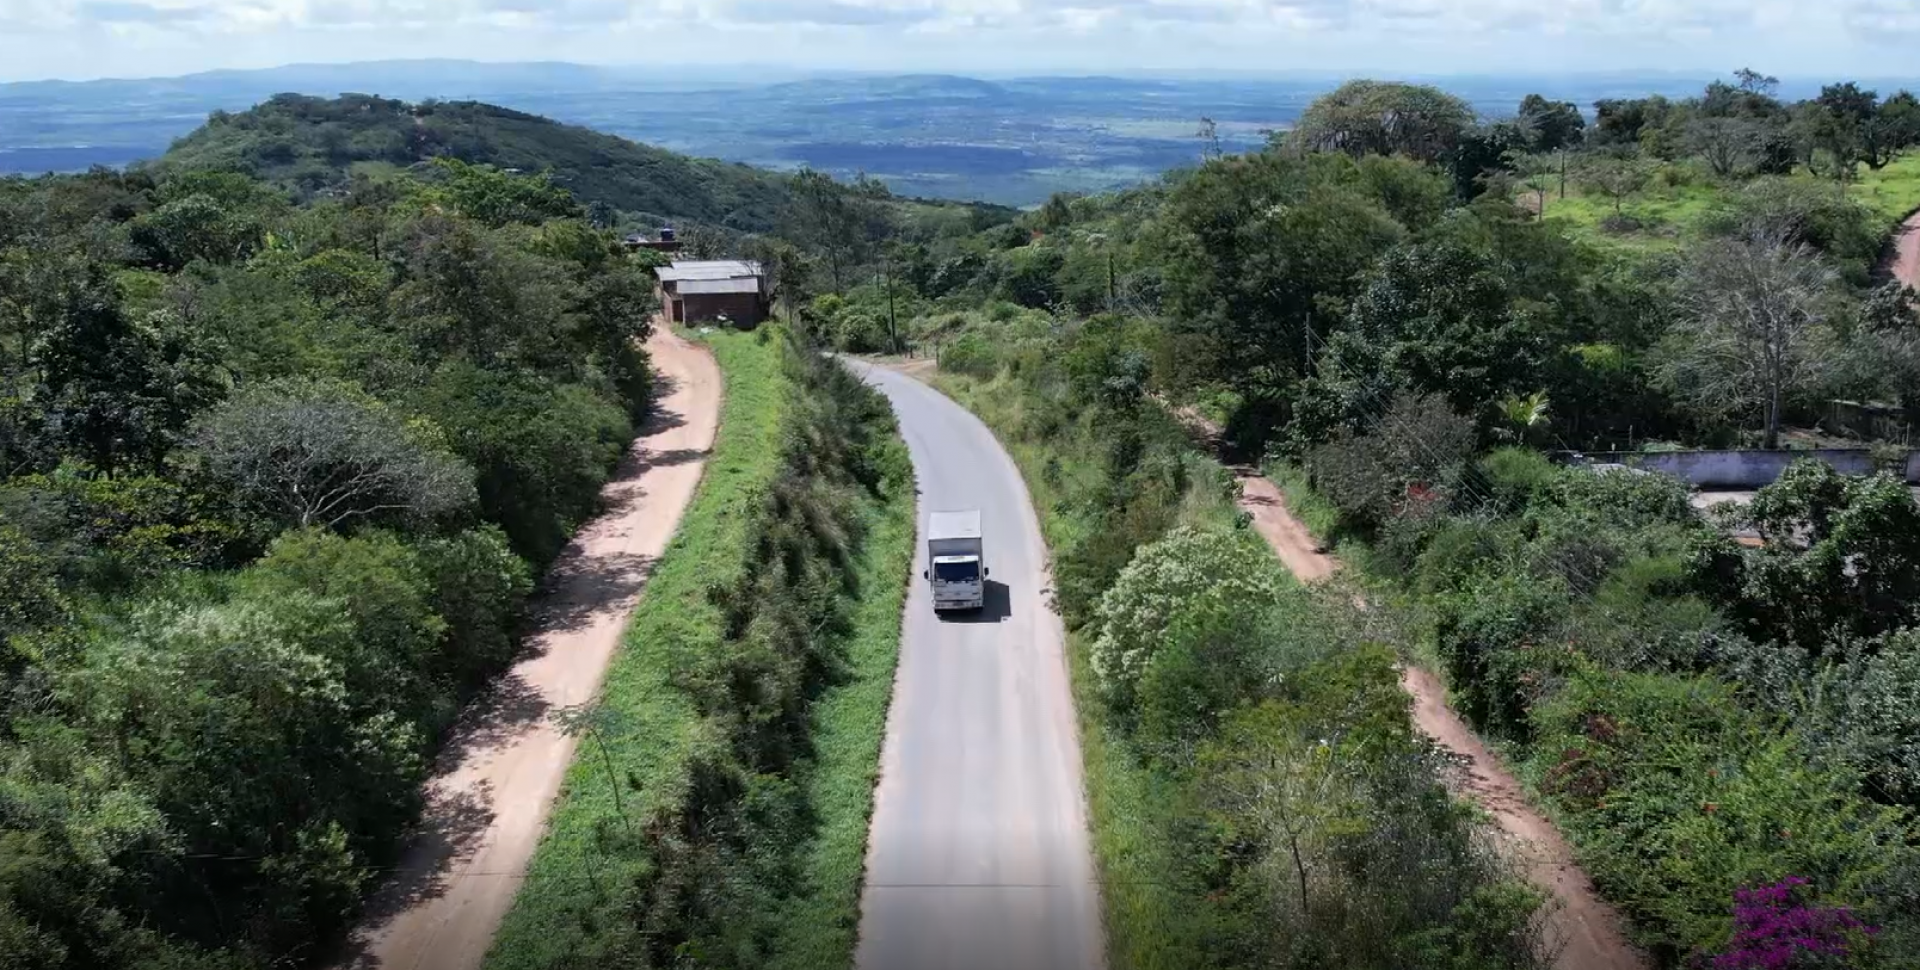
(978, 855)
(495, 784)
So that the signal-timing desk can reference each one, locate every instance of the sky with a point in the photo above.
(85, 39)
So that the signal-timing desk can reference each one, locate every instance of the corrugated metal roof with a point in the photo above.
(719, 269)
(748, 284)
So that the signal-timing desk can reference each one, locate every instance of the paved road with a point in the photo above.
(978, 855)
(496, 781)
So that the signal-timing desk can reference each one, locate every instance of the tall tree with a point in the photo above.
(1755, 313)
(1384, 118)
(1553, 125)
(831, 220)
(320, 455)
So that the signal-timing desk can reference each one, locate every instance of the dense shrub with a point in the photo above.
(1409, 459)
(1680, 797)
(1841, 557)
(1176, 589)
(273, 471)
(1499, 639)
(969, 354)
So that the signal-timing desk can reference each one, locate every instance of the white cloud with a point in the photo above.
(78, 37)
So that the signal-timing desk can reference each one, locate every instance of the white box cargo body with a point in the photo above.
(956, 561)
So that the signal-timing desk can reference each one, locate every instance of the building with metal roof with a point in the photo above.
(704, 291)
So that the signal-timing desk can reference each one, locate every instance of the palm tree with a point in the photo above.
(1526, 413)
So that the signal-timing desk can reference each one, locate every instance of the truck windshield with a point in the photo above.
(956, 572)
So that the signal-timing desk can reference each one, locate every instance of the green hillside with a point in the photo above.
(311, 144)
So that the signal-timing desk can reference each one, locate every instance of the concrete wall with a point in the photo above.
(1748, 469)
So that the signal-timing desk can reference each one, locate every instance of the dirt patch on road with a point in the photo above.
(1906, 252)
(496, 781)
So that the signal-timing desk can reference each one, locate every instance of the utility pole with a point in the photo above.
(1563, 173)
(893, 330)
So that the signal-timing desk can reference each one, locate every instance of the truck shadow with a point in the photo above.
(999, 606)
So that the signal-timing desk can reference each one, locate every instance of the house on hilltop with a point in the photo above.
(710, 290)
(667, 243)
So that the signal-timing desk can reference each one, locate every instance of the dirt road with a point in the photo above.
(1589, 932)
(1906, 252)
(978, 855)
(496, 781)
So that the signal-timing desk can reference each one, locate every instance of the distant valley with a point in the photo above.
(1011, 141)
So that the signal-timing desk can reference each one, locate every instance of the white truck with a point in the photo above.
(956, 561)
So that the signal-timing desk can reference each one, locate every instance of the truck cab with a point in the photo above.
(956, 561)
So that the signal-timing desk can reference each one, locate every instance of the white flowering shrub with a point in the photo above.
(1185, 575)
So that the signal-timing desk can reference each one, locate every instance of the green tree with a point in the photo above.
(117, 390)
(496, 198)
(832, 219)
(1184, 578)
(1839, 556)
(317, 454)
(1437, 318)
(197, 227)
(1554, 125)
(1264, 252)
(1384, 118)
(1755, 316)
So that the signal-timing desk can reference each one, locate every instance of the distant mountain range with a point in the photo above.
(1007, 140)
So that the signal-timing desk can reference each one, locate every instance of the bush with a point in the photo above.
(543, 450)
(969, 354)
(1179, 583)
(1626, 499)
(1412, 456)
(1513, 478)
(1679, 797)
(1808, 212)
(1460, 550)
(1499, 637)
(1336, 846)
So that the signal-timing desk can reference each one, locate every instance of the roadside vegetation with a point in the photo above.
(1374, 310)
(278, 480)
(717, 806)
(1257, 794)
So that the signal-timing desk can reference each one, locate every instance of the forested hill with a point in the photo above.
(309, 144)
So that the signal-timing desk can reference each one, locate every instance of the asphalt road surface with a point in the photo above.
(978, 856)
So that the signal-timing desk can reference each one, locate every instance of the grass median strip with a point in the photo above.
(718, 801)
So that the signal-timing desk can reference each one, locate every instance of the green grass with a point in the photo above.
(819, 929)
(1312, 509)
(1893, 191)
(1671, 215)
(655, 731)
(1150, 922)
(573, 886)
